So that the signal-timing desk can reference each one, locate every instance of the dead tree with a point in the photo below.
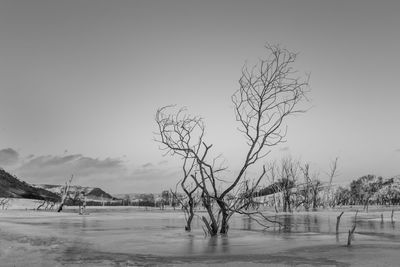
(350, 237)
(328, 198)
(268, 93)
(182, 135)
(315, 189)
(311, 189)
(82, 208)
(188, 202)
(50, 205)
(275, 186)
(41, 205)
(65, 193)
(4, 202)
(189, 192)
(288, 177)
(187, 207)
(338, 222)
(78, 196)
(46, 204)
(306, 190)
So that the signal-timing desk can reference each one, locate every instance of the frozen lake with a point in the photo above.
(134, 237)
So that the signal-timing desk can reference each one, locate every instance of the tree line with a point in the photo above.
(369, 190)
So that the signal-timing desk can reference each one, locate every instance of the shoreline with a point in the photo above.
(25, 203)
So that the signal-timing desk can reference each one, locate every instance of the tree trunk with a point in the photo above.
(286, 204)
(189, 220)
(213, 227)
(60, 207)
(351, 234)
(225, 217)
(188, 226)
(224, 223)
(315, 201)
(338, 222)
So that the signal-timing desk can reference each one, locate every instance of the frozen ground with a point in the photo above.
(134, 237)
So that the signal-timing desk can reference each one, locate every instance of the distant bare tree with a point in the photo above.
(329, 196)
(77, 196)
(304, 190)
(65, 193)
(50, 205)
(268, 93)
(4, 202)
(82, 203)
(41, 205)
(288, 173)
(313, 187)
(274, 184)
(316, 187)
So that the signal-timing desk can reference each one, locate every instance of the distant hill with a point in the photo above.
(12, 187)
(91, 193)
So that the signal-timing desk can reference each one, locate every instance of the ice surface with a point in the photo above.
(130, 237)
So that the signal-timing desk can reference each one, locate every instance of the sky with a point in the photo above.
(81, 80)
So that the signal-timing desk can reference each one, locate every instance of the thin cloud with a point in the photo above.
(8, 156)
(152, 179)
(54, 169)
(397, 150)
(148, 180)
(111, 174)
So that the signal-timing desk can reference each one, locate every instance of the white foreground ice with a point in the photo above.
(134, 237)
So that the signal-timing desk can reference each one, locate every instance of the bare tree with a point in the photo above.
(268, 93)
(304, 190)
(46, 204)
(316, 187)
(329, 198)
(65, 193)
(189, 202)
(50, 205)
(182, 135)
(288, 177)
(77, 196)
(338, 222)
(351, 232)
(41, 205)
(274, 185)
(313, 187)
(4, 202)
(82, 203)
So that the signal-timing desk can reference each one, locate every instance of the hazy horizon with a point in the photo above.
(80, 82)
